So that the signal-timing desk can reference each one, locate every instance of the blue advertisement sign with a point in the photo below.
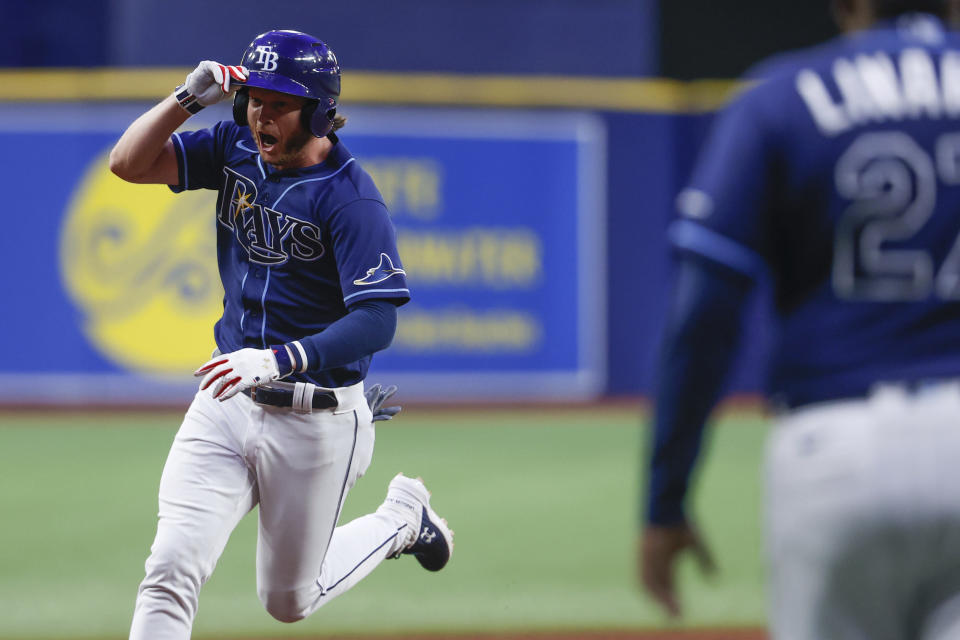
(500, 218)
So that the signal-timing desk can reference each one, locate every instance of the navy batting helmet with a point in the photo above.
(295, 63)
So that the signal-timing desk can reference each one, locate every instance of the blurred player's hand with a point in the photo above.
(229, 374)
(657, 553)
(376, 396)
(211, 81)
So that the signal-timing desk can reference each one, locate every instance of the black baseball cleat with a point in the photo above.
(432, 545)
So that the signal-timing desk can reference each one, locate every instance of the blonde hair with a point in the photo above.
(339, 121)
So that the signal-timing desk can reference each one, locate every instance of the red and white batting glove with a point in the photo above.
(229, 374)
(208, 84)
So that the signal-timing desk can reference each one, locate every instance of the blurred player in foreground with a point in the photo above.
(836, 177)
(308, 260)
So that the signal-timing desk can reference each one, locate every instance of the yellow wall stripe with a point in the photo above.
(368, 87)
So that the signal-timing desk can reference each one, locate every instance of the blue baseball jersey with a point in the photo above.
(295, 247)
(837, 174)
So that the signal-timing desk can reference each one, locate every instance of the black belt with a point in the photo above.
(284, 397)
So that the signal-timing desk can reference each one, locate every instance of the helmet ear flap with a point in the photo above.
(240, 100)
(316, 121)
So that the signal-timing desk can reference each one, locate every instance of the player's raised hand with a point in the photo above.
(656, 561)
(210, 83)
(228, 374)
(376, 396)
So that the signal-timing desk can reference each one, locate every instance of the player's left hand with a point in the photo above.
(231, 373)
(656, 559)
(376, 396)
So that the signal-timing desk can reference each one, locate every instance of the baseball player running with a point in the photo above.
(312, 281)
(835, 177)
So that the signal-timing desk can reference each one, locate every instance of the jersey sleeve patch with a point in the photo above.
(365, 247)
(381, 272)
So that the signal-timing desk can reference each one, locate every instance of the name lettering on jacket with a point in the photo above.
(874, 88)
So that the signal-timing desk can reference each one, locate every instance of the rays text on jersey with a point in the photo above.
(270, 237)
(878, 87)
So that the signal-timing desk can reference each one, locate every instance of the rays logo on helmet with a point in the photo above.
(267, 57)
(381, 272)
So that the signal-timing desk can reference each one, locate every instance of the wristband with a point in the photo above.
(187, 100)
(298, 355)
(284, 363)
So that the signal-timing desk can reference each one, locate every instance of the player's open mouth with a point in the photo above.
(267, 140)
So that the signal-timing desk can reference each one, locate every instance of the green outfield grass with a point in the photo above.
(544, 504)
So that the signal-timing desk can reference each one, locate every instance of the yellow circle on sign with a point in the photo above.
(140, 262)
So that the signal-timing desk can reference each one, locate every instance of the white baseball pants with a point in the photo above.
(863, 518)
(231, 456)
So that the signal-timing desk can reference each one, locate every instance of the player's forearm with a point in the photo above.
(368, 327)
(138, 154)
(700, 345)
(691, 385)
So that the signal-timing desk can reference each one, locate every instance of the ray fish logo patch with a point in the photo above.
(381, 272)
